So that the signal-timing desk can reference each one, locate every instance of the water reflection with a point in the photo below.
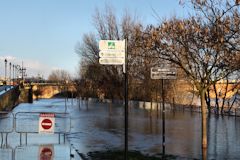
(94, 128)
(99, 130)
(38, 152)
(42, 152)
(224, 142)
(6, 153)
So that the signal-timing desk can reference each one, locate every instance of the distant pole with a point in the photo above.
(163, 120)
(65, 96)
(5, 70)
(22, 71)
(126, 102)
(13, 73)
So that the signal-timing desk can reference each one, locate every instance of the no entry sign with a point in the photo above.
(46, 123)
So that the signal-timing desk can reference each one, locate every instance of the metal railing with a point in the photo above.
(28, 122)
(6, 126)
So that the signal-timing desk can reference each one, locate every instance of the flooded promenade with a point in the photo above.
(97, 127)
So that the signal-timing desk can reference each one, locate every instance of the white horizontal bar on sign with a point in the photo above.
(164, 73)
(158, 69)
(112, 54)
(111, 61)
(163, 76)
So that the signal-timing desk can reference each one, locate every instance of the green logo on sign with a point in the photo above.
(111, 45)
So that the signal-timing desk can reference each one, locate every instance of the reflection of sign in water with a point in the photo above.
(46, 123)
(46, 152)
(40, 152)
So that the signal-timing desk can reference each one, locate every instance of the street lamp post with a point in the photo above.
(23, 71)
(10, 69)
(5, 70)
(16, 72)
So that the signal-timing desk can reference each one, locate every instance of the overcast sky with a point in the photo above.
(43, 33)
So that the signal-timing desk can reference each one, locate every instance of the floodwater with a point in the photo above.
(97, 126)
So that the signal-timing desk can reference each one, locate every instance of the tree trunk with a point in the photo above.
(224, 97)
(216, 99)
(204, 123)
(208, 100)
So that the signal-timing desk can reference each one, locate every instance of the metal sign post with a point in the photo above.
(126, 101)
(113, 52)
(163, 73)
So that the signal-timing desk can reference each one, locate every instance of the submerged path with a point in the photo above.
(99, 126)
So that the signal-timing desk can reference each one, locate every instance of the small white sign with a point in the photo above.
(163, 73)
(109, 45)
(46, 123)
(111, 61)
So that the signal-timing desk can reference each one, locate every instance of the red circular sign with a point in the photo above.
(46, 124)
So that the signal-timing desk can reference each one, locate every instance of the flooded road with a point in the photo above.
(97, 127)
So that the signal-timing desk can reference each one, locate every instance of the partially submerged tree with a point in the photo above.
(204, 46)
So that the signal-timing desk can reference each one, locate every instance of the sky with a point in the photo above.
(43, 33)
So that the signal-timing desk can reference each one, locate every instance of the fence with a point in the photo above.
(28, 122)
(7, 125)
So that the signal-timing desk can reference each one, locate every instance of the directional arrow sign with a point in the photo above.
(111, 61)
(109, 54)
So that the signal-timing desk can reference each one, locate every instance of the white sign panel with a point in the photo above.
(46, 123)
(163, 73)
(112, 52)
(109, 45)
(112, 61)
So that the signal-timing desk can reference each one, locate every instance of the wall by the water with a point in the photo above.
(9, 99)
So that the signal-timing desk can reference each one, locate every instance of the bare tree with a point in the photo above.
(108, 79)
(59, 76)
(204, 46)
